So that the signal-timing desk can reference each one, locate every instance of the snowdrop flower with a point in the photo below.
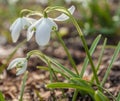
(43, 2)
(18, 25)
(20, 64)
(12, 2)
(43, 28)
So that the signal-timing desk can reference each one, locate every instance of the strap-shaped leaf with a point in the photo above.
(99, 96)
(23, 86)
(1, 97)
(100, 58)
(92, 49)
(118, 97)
(69, 85)
(81, 82)
(52, 61)
(117, 50)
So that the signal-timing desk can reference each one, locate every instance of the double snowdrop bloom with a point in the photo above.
(18, 25)
(20, 64)
(43, 27)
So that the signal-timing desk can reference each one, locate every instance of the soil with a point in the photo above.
(35, 89)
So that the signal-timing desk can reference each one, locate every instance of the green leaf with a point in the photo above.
(43, 57)
(92, 49)
(118, 97)
(117, 50)
(43, 67)
(100, 58)
(1, 97)
(69, 85)
(65, 69)
(82, 83)
(67, 52)
(23, 85)
(99, 96)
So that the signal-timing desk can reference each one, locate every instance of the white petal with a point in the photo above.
(23, 69)
(31, 20)
(26, 22)
(51, 23)
(30, 31)
(14, 63)
(43, 33)
(16, 31)
(64, 17)
(14, 23)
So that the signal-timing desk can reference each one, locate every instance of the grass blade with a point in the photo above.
(69, 85)
(111, 63)
(100, 57)
(1, 97)
(99, 96)
(52, 61)
(23, 86)
(92, 49)
(118, 97)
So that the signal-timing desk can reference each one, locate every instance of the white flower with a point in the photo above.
(12, 2)
(43, 28)
(20, 64)
(43, 2)
(18, 25)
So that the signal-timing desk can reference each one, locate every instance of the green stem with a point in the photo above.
(50, 68)
(23, 85)
(85, 47)
(67, 52)
(75, 95)
(71, 61)
(87, 52)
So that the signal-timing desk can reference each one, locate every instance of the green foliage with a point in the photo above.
(98, 18)
(118, 97)
(69, 85)
(1, 97)
(111, 63)
(92, 49)
(23, 86)
(76, 80)
(99, 96)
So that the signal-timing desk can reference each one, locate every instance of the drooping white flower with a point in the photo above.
(12, 2)
(18, 25)
(43, 2)
(20, 64)
(43, 28)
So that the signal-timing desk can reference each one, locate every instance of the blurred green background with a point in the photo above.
(93, 16)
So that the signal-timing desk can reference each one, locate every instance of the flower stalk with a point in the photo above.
(85, 47)
(67, 52)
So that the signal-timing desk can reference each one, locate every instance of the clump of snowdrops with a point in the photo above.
(42, 28)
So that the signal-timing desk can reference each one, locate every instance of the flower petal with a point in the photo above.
(64, 17)
(16, 30)
(14, 23)
(43, 33)
(23, 69)
(30, 31)
(51, 23)
(14, 63)
(31, 20)
(26, 22)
